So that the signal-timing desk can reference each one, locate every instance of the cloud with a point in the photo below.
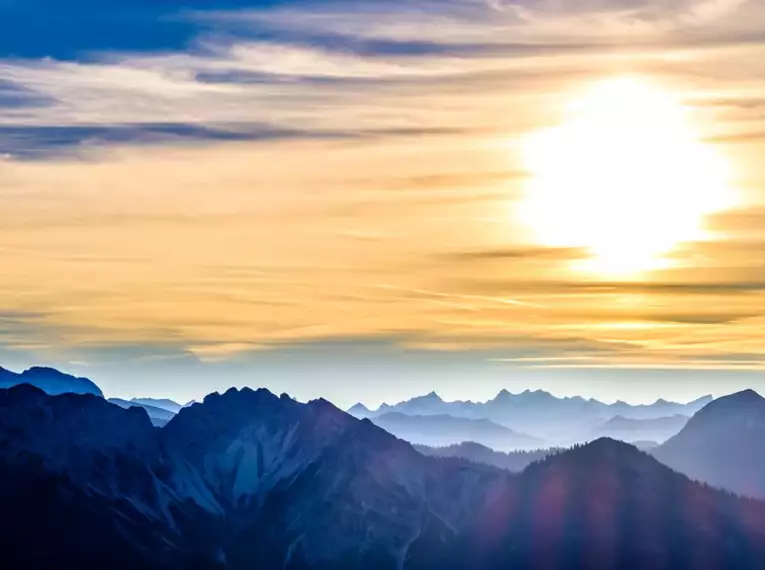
(189, 68)
(520, 253)
(15, 96)
(616, 288)
(34, 142)
(48, 141)
(741, 222)
(636, 16)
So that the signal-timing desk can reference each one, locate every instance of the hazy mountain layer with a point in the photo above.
(559, 421)
(636, 430)
(442, 430)
(162, 403)
(158, 416)
(513, 461)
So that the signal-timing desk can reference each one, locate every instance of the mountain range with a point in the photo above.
(557, 421)
(638, 430)
(248, 479)
(162, 403)
(442, 430)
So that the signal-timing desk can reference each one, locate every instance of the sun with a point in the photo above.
(625, 177)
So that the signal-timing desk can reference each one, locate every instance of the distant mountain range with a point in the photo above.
(162, 403)
(49, 380)
(639, 430)
(442, 430)
(723, 445)
(247, 479)
(158, 416)
(558, 421)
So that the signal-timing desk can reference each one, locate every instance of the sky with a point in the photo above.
(369, 200)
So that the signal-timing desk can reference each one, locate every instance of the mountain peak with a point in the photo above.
(359, 410)
(590, 461)
(722, 444)
(537, 396)
(610, 443)
(602, 452)
(745, 398)
(243, 394)
(432, 396)
(504, 395)
(50, 380)
(25, 390)
(420, 404)
(323, 403)
(746, 395)
(40, 370)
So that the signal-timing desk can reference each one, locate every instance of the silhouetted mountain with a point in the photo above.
(607, 505)
(723, 445)
(158, 416)
(633, 430)
(245, 477)
(84, 484)
(512, 461)
(49, 380)
(442, 430)
(163, 403)
(562, 421)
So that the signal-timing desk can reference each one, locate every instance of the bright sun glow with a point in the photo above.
(626, 177)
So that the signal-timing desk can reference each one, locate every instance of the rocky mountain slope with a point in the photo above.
(723, 445)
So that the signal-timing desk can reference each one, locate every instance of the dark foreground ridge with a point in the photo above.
(248, 479)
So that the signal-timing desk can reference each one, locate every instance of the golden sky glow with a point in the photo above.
(584, 190)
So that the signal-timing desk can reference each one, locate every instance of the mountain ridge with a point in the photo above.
(50, 380)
